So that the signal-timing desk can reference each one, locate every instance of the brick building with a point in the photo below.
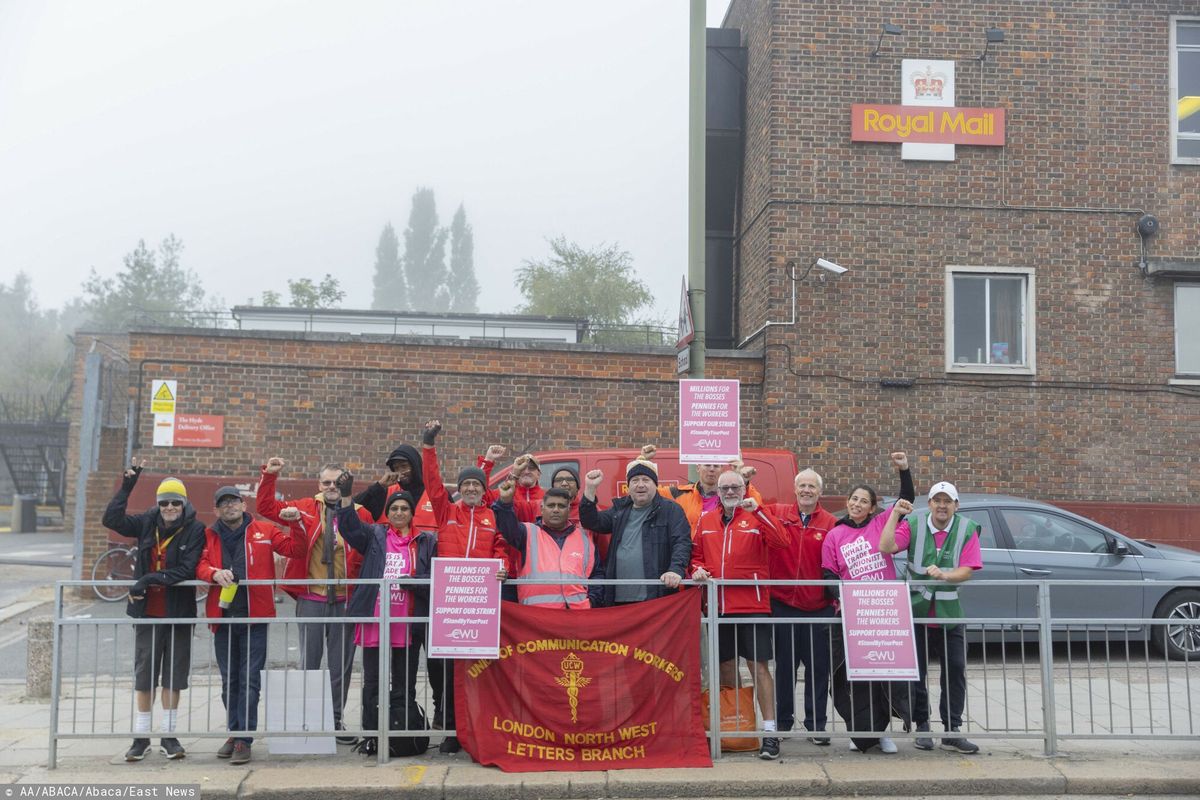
(1002, 318)
(997, 319)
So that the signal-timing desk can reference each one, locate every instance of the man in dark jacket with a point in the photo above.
(651, 539)
(170, 540)
(404, 474)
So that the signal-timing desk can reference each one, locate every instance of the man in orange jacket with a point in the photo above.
(732, 543)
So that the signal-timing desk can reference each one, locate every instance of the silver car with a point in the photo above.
(1028, 540)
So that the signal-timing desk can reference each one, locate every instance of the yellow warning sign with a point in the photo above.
(162, 397)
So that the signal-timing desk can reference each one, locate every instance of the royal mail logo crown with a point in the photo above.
(928, 83)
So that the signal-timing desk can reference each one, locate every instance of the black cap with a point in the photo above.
(396, 497)
(226, 491)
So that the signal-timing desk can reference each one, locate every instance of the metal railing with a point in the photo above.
(1107, 684)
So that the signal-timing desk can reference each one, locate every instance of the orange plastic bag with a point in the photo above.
(737, 714)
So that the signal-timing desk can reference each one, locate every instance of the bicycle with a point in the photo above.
(118, 564)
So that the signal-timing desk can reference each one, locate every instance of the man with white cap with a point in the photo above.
(943, 547)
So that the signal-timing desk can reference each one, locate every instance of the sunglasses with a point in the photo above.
(171, 503)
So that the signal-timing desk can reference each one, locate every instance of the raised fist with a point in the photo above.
(750, 504)
(388, 478)
(902, 508)
(494, 453)
(129, 480)
(289, 514)
(648, 452)
(593, 480)
(345, 483)
(507, 490)
(432, 429)
(274, 465)
(900, 461)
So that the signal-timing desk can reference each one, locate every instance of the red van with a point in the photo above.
(776, 470)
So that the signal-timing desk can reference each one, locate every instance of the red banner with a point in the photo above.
(607, 688)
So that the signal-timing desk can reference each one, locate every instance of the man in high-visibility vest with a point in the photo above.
(551, 548)
(943, 547)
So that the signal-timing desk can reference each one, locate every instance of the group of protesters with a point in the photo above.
(651, 539)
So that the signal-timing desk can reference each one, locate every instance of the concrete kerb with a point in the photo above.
(349, 780)
(1132, 776)
(951, 776)
(843, 778)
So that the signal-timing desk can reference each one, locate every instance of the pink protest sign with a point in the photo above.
(877, 630)
(709, 421)
(464, 608)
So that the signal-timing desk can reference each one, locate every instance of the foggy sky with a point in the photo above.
(277, 138)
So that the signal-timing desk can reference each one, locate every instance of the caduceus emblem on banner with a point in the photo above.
(573, 680)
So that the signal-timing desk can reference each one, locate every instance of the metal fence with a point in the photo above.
(1105, 682)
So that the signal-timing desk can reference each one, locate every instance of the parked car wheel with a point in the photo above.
(1179, 642)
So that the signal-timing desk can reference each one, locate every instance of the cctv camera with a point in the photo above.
(1147, 225)
(829, 266)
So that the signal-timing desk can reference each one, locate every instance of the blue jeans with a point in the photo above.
(808, 642)
(241, 654)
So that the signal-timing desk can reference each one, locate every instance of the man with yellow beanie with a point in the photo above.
(170, 540)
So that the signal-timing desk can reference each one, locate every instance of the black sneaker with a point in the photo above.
(449, 745)
(338, 726)
(138, 751)
(959, 744)
(171, 748)
(226, 750)
(770, 748)
(241, 753)
(923, 742)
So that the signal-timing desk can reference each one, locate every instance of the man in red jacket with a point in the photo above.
(324, 558)
(731, 542)
(806, 525)
(237, 548)
(466, 529)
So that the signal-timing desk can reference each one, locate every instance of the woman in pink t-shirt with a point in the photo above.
(393, 550)
(851, 553)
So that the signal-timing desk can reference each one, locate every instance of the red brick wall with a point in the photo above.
(1085, 85)
(325, 398)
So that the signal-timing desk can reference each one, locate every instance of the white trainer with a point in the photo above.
(887, 745)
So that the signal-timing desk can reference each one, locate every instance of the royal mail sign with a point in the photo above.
(927, 124)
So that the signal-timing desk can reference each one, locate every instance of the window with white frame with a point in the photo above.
(990, 319)
(1185, 90)
(1187, 330)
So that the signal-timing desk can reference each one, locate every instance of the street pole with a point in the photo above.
(696, 176)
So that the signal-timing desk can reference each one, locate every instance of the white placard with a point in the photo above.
(298, 700)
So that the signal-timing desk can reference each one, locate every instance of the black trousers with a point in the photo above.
(808, 644)
(950, 646)
(862, 705)
(402, 686)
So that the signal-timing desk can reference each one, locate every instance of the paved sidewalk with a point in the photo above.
(1003, 767)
